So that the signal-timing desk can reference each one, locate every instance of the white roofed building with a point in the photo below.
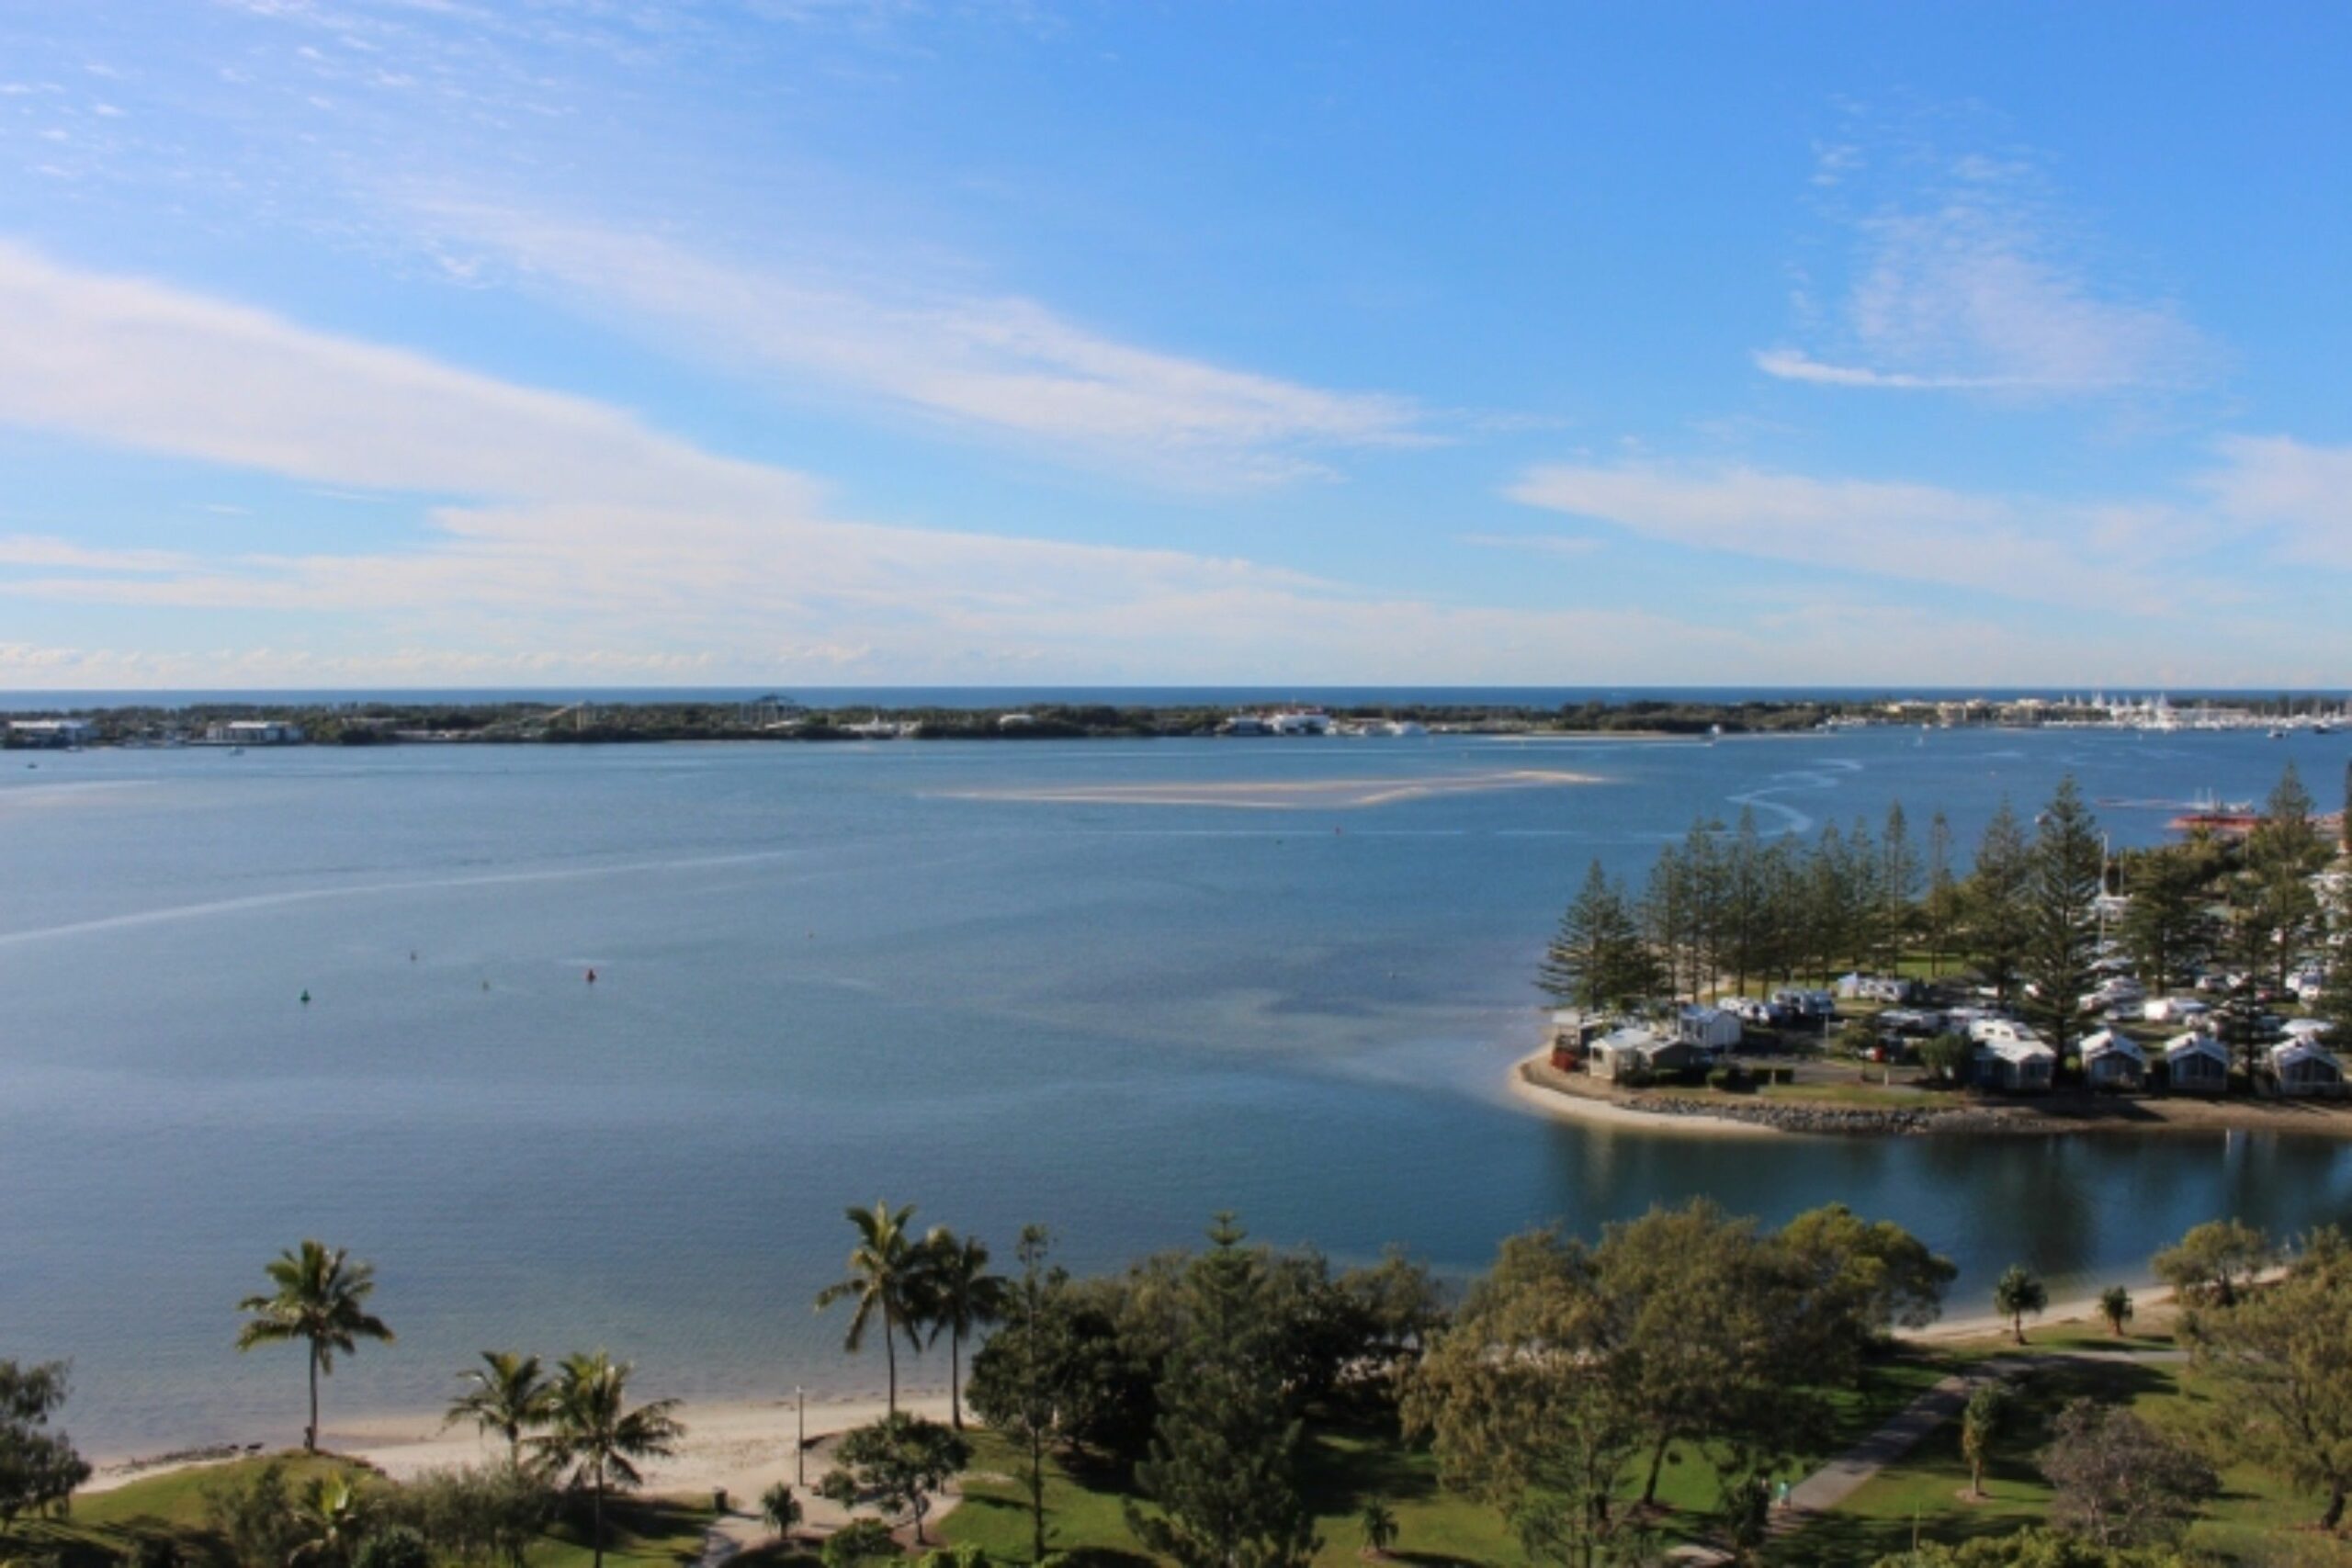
(2112, 1059)
(2303, 1066)
(2197, 1063)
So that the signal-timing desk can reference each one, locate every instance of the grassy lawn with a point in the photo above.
(1346, 1467)
(649, 1532)
(1925, 1490)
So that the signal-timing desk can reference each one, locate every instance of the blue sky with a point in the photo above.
(646, 342)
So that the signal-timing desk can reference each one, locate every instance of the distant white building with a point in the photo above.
(51, 731)
(253, 732)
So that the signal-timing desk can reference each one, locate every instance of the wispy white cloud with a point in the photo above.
(2013, 547)
(1569, 545)
(567, 541)
(1963, 274)
(988, 362)
(1795, 365)
(2297, 493)
(139, 364)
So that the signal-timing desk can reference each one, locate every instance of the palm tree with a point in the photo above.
(960, 1297)
(1980, 1427)
(2114, 1305)
(888, 1277)
(1378, 1521)
(506, 1395)
(780, 1508)
(321, 1297)
(593, 1435)
(2018, 1292)
(329, 1521)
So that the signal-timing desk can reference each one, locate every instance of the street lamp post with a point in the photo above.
(800, 1447)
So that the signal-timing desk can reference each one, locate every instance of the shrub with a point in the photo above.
(255, 1514)
(152, 1552)
(397, 1546)
(856, 1541)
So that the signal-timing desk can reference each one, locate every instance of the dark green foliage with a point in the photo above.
(396, 1546)
(1571, 1373)
(254, 1516)
(2214, 1262)
(39, 1468)
(595, 1436)
(507, 1394)
(1947, 1056)
(479, 1514)
(2062, 918)
(860, 1540)
(956, 1296)
(1599, 958)
(319, 1296)
(2119, 1481)
(1222, 1470)
(780, 1507)
(1061, 1363)
(889, 1276)
(2278, 1361)
(155, 1552)
(2169, 925)
(902, 1460)
(1997, 903)
(2034, 1549)
(1983, 1422)
(2018, 1292)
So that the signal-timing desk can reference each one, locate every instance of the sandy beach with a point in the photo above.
(740, 1446)
(1532, 1084)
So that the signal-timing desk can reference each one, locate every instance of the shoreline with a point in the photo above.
(738, 1445)
(1528, 1087)
(1533, 1082)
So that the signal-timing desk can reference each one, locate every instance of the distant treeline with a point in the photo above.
(365, 724)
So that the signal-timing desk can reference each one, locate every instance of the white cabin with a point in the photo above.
(2016, 1064)
(1710, 1028)
(2197, 1063)
(2113, 1060)
(2304, 1066)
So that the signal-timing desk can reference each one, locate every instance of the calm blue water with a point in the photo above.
(825, 976)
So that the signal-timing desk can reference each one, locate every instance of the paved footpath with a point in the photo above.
(1843, 1476)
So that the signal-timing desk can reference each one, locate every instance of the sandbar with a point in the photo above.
(1296, 795)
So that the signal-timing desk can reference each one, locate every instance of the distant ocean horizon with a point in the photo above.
(1120, 696)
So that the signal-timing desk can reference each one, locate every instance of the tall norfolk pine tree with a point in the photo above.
(2062, 917)
(1997, 902)
(1222, 1471)
(1599, 958)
